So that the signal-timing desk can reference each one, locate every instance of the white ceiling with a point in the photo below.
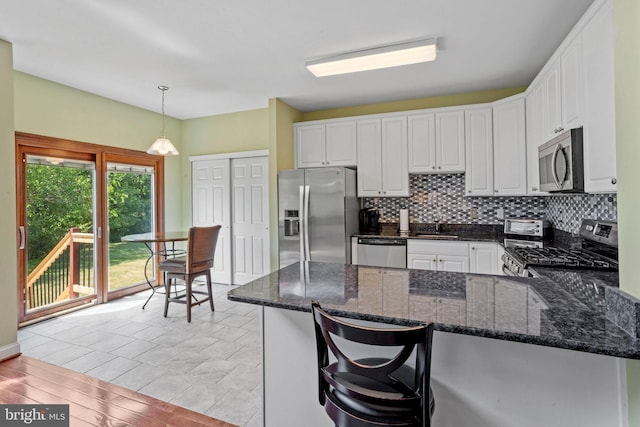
(225, 56)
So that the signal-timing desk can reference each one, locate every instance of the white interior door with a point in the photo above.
(212, 206)
(250, 209)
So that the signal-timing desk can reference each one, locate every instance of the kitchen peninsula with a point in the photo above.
(485, 370)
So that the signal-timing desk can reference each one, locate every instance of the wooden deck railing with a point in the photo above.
(65, 273)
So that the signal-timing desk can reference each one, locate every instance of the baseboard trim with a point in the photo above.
(10, 350)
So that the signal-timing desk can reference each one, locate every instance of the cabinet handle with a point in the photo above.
(327, 162)
(439, 167)
(433, 167)
(473, 248)
(613, 180)
(534, 189)
(495, 191)
(441, 260)
(435, 260)
(469, 191)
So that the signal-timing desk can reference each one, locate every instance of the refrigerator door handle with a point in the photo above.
(307, 252)
(301, 217)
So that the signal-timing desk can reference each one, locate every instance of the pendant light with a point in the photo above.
(162, 146)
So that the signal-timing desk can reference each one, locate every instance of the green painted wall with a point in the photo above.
(8, 256)
(415, 104)
(223, 133)
(281, 119)
(627, 75)
(46, 108)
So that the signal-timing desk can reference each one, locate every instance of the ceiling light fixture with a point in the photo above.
(162, 146)
(412, 52)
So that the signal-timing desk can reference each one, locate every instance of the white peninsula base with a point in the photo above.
(477, 382)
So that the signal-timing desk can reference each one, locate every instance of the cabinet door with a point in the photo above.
(422, 262)
(310, 146)
(422, 307)
(395, 173)
(458, 264)
(369, 161)
(571, 84)
(483, 258)
(552, 103)
(478, 128)
(509, 148)
(599, 130)
(450, 156)
(341, 143)
(422, 143)
(534, 121)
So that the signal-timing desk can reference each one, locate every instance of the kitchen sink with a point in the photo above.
(433, 236)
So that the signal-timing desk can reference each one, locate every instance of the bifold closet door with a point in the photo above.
(212, 206)
(250, 213)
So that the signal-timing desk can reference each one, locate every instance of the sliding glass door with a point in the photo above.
(130, 208)
(58, 237)
(75, 202)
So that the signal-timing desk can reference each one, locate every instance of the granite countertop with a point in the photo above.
(575, 314)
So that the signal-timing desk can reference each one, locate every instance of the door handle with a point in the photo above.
(302, 223)
(307, 192)
(23, 237)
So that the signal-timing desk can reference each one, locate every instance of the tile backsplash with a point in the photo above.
(442, 197)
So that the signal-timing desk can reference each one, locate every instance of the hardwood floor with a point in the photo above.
(92, 402)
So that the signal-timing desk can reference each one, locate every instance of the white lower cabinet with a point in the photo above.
(438, 256)
(483, 258)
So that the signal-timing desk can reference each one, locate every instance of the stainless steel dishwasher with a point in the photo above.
(380, 252)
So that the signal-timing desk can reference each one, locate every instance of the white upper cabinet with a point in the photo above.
(326, 144)
(436, 142)
(450, 156)
(422, 143)
(509, 147)
(341, 143)
(395, 172)
(563, 92)
(382, 157)
(478, 129)
(571, 84)
(534, 120)
(599, 130)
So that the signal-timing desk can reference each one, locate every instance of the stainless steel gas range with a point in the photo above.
(598, 249)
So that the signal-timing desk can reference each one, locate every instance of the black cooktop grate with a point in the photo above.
(565, 258)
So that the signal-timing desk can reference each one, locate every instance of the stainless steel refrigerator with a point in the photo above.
(317, 214)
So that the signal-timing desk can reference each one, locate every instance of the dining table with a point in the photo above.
(161, 245)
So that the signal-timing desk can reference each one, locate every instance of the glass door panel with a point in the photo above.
(60, 217)
(130, 206)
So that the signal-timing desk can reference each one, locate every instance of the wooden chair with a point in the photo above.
(197, 262)
(374, 391)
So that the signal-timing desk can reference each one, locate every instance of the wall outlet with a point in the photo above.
(500, 213)
(473, 212)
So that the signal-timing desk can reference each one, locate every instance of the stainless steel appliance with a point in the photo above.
(531, 227)
(380, 252)
(598, 251)
(561, 163)
(317, 214)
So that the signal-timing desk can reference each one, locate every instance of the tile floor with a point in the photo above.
(212, 365)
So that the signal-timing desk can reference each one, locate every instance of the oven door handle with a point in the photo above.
(506, 271)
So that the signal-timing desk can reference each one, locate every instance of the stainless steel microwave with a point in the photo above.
(561, 163)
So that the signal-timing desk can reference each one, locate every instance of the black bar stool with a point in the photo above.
(374, 391)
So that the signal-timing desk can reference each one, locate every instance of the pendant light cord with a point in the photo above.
(163, 89)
